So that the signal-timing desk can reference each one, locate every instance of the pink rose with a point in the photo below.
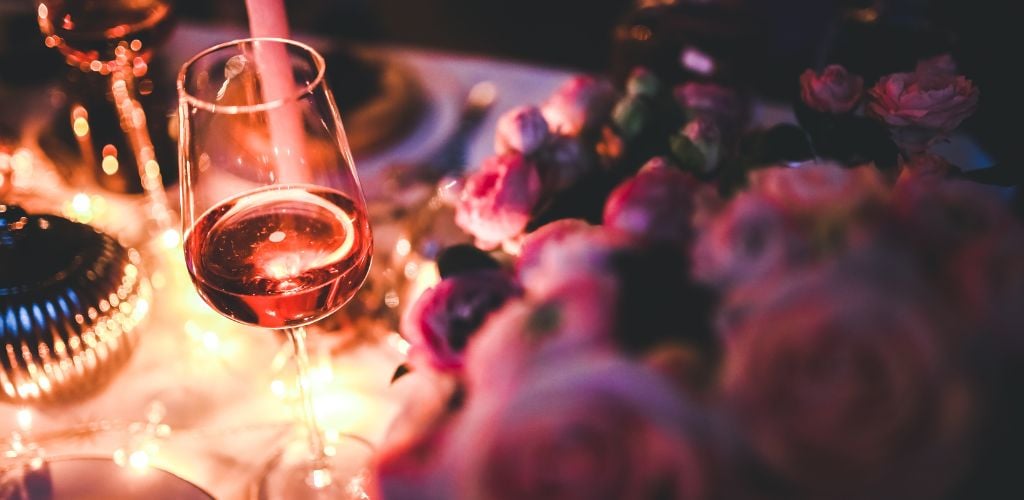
(900, 101)
(815, 188)
(522, 129)
(750, 238)
(593, 430)
(833, 91)
(497, 200)
(656, 205)
(549, 234)
(722, 105)
(442, 320)
(563, 162)
(790, 218)
(922, 106)
(970, 248)
(843, 388)
(571, 320)
(577, 253)
(578, 105)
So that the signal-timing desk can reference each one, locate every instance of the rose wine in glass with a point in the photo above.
(280, 257)
(275, 224)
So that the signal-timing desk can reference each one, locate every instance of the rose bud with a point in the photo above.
(441, 321)
(923, 167)
(919, 114)
(832, 91)
(642, 82)
(844, 390)
(630, 115)
(585, 430)
(723, 106)
(580, 104)
(563, 162)
(656, 205)
(697, 146)
(522, 130)
(497, 200)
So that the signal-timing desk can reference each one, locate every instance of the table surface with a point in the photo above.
(224, 386)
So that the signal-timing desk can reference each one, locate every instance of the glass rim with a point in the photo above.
(184, 95)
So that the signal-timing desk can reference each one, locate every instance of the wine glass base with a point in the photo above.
(292, 474)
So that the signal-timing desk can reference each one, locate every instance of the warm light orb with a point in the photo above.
(395, 340)
(170, 238)
(80, 203)
(24, 417)
(80, 126)
(138, 460)
(320, 479)
(110, 165)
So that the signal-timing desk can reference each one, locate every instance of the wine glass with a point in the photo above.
(115, 40)
(276, 232)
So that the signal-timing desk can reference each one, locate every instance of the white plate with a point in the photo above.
(85, 478)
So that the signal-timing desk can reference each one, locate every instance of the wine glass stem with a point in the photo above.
(133, 122)
(316, 437)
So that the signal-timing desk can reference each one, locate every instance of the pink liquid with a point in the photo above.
(279, 257)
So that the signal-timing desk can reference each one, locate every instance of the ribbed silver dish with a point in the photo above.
(70, 299)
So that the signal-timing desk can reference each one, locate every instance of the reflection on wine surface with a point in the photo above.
(280, 256)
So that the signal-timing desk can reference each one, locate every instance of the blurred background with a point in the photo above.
(761, 44)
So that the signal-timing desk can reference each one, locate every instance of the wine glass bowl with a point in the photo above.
(276, 232)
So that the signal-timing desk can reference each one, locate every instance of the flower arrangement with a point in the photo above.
(689, 308)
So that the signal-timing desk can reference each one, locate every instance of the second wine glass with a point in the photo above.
(275, 224)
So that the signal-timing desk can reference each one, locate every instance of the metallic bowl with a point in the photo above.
(70, 299)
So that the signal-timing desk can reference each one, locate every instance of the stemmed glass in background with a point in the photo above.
(115, 39)
(275, 224)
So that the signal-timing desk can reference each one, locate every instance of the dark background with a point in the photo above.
(771, 40)
(575, 33)
(789, 35)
